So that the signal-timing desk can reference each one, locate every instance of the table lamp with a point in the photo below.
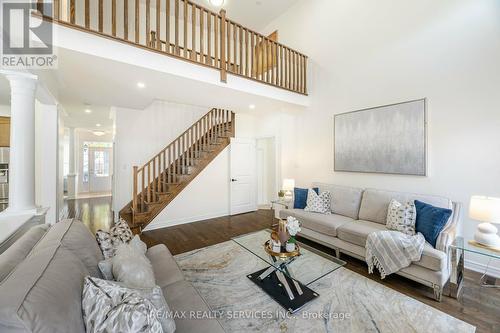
(288, 186)
(486, 210)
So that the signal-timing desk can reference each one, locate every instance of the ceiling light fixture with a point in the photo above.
(98, 125)
(251, 106)
(99, 133)
(141, 85)
(217, 3)
(88, 111)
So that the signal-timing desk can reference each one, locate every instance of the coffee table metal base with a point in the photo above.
(272, 284)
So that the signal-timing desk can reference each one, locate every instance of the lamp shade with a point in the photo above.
(288, 184)
(485, 209)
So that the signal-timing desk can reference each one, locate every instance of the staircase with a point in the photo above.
(162, 178)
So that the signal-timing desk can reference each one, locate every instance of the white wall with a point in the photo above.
(141, 134)
(207, 196)
(4, 110)
(46, 150)
(364, 54)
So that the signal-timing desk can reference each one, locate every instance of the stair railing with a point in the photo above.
(156, 176)
(183, 29)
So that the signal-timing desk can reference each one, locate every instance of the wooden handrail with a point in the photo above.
(211, 39)
(153, 177)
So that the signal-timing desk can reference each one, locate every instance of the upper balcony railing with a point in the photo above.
(188, 31)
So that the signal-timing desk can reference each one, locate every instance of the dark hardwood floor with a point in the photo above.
(96, 213)
(477, 305)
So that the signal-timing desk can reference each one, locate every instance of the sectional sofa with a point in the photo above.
(41, 282)
(357, 212)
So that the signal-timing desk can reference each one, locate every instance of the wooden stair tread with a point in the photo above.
(191, 162)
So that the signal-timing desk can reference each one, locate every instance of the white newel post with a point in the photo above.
(22, 142)
(72, 165)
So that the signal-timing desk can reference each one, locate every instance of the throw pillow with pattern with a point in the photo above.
(401, 217)
(108, 241)
(318, 203)
(109, 306)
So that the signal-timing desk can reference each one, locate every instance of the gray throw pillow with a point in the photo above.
(131, 266)
(111, 307)
(106, 268)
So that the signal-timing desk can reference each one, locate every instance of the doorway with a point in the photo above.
(266, 172)
(243, 182)
(97, 166)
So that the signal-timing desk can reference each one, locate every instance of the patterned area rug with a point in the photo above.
(348, 302)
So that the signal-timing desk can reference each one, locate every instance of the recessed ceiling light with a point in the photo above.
(88, 111)
(98, 125)
(217, 3)
(251, 106)
(141, 85)
(99, 133)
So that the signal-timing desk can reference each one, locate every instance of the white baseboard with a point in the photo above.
(478, 267)
(184, 220)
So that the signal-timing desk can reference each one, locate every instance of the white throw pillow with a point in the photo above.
(318, 203)
(111, 307)
(401, 217)
(131, 266)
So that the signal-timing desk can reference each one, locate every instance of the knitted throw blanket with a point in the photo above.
(391, 251)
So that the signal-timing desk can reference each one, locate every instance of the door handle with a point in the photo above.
(234, 180)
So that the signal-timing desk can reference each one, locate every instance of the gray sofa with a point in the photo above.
(41, 281)
(357, 212)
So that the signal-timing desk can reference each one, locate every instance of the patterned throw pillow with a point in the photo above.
(401, 217)
(318, 203)
(108, 241)
(111, 307)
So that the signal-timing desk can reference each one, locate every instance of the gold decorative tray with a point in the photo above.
(282, 255)
(493, 249)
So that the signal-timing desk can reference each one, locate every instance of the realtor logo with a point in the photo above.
(26, 38)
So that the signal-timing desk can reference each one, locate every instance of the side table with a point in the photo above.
(458, 249)
(280, 202)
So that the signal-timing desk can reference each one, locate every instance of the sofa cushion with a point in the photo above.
(77, 238)
(182, 297)
(357, 232)
(345, 200)
(18, 251)
(325, 224)
(164, 266)
(43, 293)
(432, 259)
(375, 203)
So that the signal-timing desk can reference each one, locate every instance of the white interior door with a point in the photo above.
(243, 176)
(100, 166)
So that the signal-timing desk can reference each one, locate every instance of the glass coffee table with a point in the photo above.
(286, 280)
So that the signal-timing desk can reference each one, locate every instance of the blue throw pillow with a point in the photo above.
(431, 220)
(300, 197)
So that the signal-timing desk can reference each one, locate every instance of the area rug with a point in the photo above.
(348, 302)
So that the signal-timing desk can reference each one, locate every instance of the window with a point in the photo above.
(85, 178)
(101, 163)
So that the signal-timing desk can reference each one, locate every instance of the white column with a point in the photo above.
(72, 165)
(22, 142)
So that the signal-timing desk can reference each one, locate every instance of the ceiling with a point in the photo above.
(84, 81)
(254, 14)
